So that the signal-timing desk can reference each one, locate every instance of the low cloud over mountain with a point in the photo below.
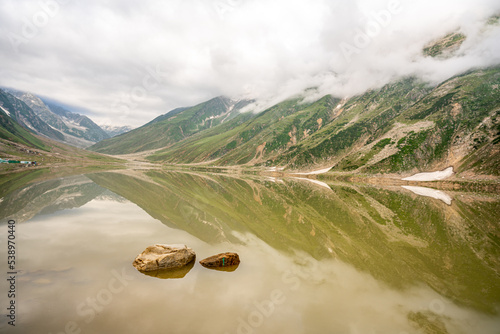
(130, 61)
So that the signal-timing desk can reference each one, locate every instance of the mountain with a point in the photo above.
(22, 114)
(444, 47)
(113, 131)
(406, 125)
(249, 138)
(172, 127)
(77, 125)
(25, 136)
(72, 128)
(168, 115)
(11, 131)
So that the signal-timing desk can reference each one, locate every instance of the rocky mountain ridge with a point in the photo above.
(72, 128)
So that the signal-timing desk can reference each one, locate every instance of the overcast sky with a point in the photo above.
(125, 62)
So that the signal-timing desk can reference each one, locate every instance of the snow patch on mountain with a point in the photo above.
(432, 176)
(6, 111)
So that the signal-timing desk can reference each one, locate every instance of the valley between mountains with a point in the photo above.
(405, 127)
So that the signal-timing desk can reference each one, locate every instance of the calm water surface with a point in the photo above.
(316, 258)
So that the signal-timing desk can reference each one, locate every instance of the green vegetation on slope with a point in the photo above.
(12, 131)
(445, 45)
(464, 111)
(406, 125)
(21, 113)
(426, 128)
(254, 137)
(169, 129)
(361, 121)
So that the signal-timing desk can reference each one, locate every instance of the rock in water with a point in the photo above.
(221, 260)
(175, 273)
(158, 257)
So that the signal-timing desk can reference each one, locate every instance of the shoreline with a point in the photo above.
(463, 181)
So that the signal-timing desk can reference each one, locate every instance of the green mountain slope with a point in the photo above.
(446, 46)
(456, 122)
(21, 113)
(12, 131)
(168, 115)
(267, 133)
(406, 126)
(171, 128)
(274, 135)
(403, 126)
(60, 124)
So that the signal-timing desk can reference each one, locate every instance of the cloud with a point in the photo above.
(127, 62)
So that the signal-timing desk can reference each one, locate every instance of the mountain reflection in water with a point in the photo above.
(336, 258)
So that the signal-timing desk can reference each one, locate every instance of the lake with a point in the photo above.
(315, 257)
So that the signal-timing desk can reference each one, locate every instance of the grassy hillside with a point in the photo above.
(16, 143)
(457, 124)
(361, 120)
(404, 126)
(21, 113)
(12, 131)
(171, 128)
(445, 46)
(267, 133)
(285, 133)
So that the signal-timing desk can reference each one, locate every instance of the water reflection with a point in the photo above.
(170, 273)
(228, 269)
(428, 192)
(347, 259)
(391, 234)
(50, 196)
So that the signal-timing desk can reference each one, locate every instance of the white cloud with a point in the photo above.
(100, 56)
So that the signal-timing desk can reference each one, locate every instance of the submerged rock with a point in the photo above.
(159, 257)
(221, 260)
(174, 273)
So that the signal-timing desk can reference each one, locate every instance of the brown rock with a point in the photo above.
(174, 273)
(221, 260)
(159, 257)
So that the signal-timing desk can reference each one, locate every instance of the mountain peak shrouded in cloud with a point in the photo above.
(130, 61)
